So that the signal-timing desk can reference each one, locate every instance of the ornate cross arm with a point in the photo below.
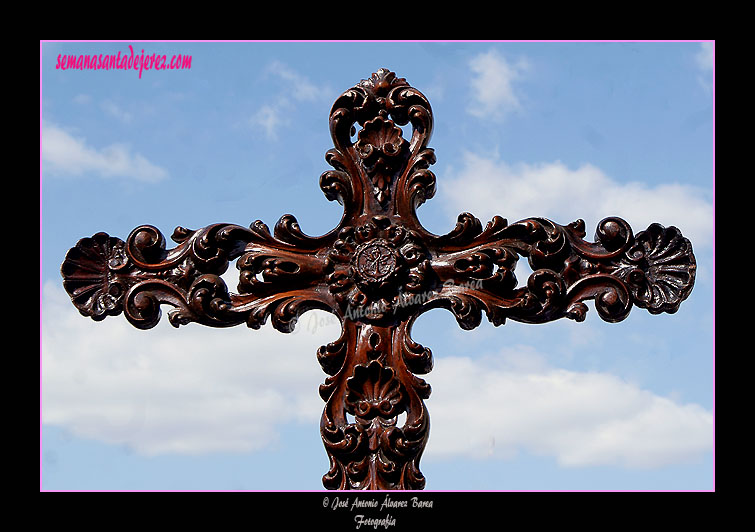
(106, 276)
(654, 270)
(377, 271)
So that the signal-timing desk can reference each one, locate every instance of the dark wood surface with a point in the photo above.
(377, 271)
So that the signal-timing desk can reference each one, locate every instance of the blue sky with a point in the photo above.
(559, 130)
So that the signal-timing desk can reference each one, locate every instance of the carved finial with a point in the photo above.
(381, 82)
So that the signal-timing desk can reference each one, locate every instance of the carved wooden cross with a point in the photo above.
(377, 271)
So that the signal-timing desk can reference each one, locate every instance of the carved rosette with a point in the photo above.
(378, 270)
(376, 267)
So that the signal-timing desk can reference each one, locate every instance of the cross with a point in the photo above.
(378, 270)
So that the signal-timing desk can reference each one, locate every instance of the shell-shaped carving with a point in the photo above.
(90, 278)
(380, 147)
(379, 137)
(374, 391)
(659, 269)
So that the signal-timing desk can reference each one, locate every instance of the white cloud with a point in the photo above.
(492, 85)
(704, 57)
(482, 409)
(296, 88)
(270, 118)
(299, 86)
(115, 111)
(488, 186)
(200, 390)
(187, 391)
(82, 99)
(65, 154)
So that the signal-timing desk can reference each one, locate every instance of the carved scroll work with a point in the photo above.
(106, 276)
(377, 271)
